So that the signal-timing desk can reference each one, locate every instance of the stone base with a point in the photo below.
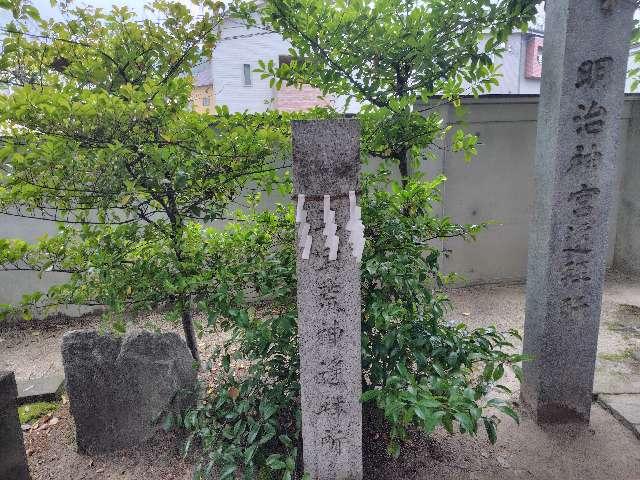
(626, 408)
(554, 413)
(44, 389)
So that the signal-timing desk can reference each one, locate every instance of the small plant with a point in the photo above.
(34, 411)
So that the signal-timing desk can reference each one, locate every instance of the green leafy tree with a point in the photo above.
(97, 136)
(419, 371)
(399, 59)
(634, 68)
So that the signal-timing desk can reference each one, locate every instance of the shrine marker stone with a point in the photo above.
(326, 161)
(583, 75)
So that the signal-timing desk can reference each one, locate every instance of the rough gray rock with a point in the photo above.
(119, 387)
(13, 461)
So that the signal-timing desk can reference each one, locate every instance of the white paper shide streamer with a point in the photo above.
(330, 228)
(303, 231)
(355, 227)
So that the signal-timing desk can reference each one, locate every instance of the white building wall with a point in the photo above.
(509, 67)
(526, 86)
(229, 57)
(256, 44)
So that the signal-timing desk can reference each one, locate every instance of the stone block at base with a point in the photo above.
(626, 408)
(44, 389)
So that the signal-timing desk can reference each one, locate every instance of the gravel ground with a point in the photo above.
(606, 450)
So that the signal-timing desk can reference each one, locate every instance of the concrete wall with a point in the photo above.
(497, 186)
(627, 241)
(14, 284)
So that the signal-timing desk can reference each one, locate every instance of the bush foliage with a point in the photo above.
(420, 370)
(98, 137)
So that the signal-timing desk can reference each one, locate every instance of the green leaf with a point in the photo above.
(509, 411)
(227, 472)
(518, 372)
(368, 396)
(490, 427)
(168, 422)
(498, 372)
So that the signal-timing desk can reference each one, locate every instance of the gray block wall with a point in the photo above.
(496, 185)
(627, 241)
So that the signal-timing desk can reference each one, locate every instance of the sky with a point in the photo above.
(47, 11)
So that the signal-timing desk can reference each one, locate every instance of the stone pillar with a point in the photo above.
(13, 461)
(326, 161)
(585, 59)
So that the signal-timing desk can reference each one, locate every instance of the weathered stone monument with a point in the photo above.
(326, 165)
(585, 60)
(13, 460)
(119, 387)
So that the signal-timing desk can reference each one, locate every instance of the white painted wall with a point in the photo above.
(509, 67)
(229, 57)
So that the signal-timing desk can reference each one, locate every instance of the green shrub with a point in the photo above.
(418, 370)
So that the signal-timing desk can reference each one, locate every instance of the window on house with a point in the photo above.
(246, 74)
(540, 55)
(206, 101)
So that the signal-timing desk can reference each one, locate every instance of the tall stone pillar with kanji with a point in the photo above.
(586, 49)
(330, 240)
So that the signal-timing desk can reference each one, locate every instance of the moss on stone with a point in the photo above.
(33, 411)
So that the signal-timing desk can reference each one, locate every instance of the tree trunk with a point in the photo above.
(403, 164)
(189, 332)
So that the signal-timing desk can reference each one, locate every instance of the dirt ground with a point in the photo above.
(606, 450)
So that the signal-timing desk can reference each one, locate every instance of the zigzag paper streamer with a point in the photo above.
(330, 228)
(355, 227)
(303, 232)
